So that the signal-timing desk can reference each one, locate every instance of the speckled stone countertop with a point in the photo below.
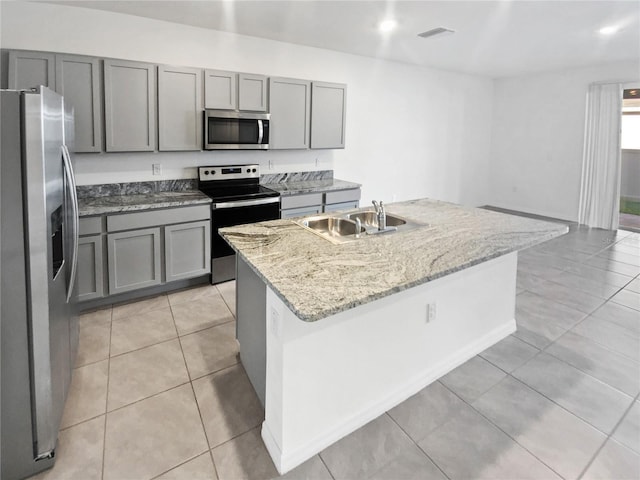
(311, 186)
(146, 201)
(316, 278)
(135, 196)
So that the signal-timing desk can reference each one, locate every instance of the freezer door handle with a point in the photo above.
(75, 223)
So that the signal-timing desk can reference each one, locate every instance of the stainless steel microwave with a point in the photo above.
(229, 130)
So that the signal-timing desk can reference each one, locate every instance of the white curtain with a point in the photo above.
(601, 158)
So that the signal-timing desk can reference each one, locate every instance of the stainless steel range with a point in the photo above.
(238, 198)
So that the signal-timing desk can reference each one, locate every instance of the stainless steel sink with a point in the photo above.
(332, 226)
(370, 219)
(341, 228)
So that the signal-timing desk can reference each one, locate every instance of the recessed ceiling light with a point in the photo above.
(436, 31)
(387, 25)
(610, 30)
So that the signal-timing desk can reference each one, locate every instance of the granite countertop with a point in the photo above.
(109, 198)
(317, 278)
(311, 186)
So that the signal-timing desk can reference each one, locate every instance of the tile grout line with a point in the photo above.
(602, 345)
(609, 437)
(416, 444)
(106, 400)
(195, 397)
(500, 429)
(325, 465)
(556, 403)
(580, 369)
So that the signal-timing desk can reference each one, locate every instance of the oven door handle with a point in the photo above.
(246, 203)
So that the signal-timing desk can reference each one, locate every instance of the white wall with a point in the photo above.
(537, 138)
(411, 132)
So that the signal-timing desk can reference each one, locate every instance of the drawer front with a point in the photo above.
(305, 200)
(130, 221)
(342, 196)
(90, 225)
(334, 207)
(301, 212)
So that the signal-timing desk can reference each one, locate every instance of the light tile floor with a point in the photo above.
(158, 390)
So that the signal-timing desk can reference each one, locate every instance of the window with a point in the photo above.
(630, 128)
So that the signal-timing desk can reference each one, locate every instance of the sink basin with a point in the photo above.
(331, 226)
(370, 219)
(341, 228)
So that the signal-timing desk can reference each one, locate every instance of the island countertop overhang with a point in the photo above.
(316, 278)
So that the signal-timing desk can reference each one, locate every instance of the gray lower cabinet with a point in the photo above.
(129, 106)
(301, 205)
(78, 81)
(187, 250)
(143, 249)
(314, 203)
(90, 273)
(31, 69)
(341, 200)
(328, 113)
(290, 108)
(179, 108)
(134, 260)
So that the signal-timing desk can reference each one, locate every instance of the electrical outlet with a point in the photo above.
(157, 169)
(270, 164)
(317, 162)
(431, 312)
(393, 197)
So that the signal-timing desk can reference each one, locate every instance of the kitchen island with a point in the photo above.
(333, 335)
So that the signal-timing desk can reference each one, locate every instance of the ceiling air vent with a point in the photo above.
(436, 31)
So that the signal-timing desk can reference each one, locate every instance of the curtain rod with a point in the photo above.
(608, 82)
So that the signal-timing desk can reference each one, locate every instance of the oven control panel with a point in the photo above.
(228, 172)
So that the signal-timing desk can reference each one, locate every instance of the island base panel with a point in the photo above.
(328, 378)
(251, 324)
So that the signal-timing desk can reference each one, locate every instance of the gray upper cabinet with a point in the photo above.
(31, 69)
(179, 108)
(220, 90)
(252, 92)
(130, 106)
(328, 112)
(235, 91)
(290, 106)
(78, 81)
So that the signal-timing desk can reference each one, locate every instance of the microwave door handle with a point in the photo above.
(71, 183)
(260, 132)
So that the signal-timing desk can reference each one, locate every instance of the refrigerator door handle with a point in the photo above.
(71, 186)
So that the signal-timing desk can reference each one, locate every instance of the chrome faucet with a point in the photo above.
(380, 213)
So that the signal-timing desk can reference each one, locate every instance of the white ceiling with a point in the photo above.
(493, 38)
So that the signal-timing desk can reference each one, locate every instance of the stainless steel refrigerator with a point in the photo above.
(39, 244)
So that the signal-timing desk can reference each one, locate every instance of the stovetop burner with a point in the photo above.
(232, 182)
